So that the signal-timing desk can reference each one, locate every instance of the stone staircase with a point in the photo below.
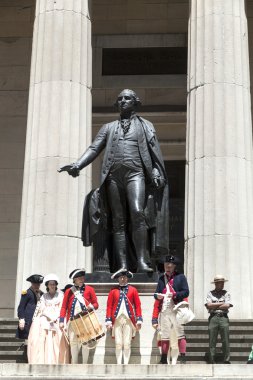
(9, 371)
(241, 340)
(11, 349)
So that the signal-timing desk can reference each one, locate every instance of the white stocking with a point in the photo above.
(174, 355)
(127, 354)
(118, 352)
(85, 354)
(168, 355)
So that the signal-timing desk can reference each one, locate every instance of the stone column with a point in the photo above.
(219, 205)
(58, 131)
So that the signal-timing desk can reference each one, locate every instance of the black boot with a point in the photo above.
(163, 359)
(140, 244)
(182, 359)
(24, 356)
(119, 239)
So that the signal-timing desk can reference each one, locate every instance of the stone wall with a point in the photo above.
(139, 17)
(138, 24)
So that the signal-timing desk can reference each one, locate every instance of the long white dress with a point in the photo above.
(46, 342)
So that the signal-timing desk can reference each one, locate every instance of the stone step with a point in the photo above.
(199, 352)
(10, 346)
(8, 328)
(8, 354)
(234, 347)
(118, 372)
(232, 322)
(8, 337)
(8, 320)
(233, 329)
(7, 361)
(240, 339)
(232, 338)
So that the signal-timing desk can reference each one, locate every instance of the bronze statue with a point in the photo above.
(132, 201)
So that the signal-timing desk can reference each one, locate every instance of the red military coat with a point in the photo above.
(69, 300)
(132, 301)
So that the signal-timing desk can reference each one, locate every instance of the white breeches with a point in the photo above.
(76, 346)
(180, 330)
(123, 332)
(169, 327)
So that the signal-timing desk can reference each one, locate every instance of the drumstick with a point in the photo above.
(66, 336)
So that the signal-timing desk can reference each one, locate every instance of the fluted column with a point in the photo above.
(219, 205)
(58, 131)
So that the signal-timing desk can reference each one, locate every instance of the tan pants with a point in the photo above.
(76, 347)
(123, 330)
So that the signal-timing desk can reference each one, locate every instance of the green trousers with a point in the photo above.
(218, 325)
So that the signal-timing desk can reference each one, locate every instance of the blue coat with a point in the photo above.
(26, 310)
(180, 285)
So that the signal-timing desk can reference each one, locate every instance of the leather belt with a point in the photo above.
(219, 315)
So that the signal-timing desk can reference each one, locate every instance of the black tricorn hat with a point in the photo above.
(171, 259)
(66, 287)
(35, 279)
(122, 272)
(77, 273)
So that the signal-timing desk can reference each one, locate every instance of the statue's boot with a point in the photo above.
(120, 249)
(140, 243)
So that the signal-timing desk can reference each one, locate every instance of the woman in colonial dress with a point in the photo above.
(47, 344)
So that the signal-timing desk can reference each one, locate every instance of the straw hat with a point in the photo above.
(219, 278)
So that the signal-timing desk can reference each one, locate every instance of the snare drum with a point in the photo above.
(86, 326)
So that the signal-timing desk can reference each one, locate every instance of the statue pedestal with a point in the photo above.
(105, 277)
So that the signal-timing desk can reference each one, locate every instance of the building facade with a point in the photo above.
(62, 65)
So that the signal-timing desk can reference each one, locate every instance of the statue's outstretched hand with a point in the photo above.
(72, 169)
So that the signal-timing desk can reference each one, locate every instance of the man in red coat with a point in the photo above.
(123, 314)
(80, 297)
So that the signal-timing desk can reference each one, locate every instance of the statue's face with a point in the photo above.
(126, 102)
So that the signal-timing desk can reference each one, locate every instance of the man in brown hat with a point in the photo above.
(218, 301)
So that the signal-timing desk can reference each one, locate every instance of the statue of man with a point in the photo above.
(133, 182)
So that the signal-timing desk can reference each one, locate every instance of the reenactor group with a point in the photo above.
(58, 325)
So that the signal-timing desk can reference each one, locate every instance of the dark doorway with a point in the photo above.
(176, 178)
